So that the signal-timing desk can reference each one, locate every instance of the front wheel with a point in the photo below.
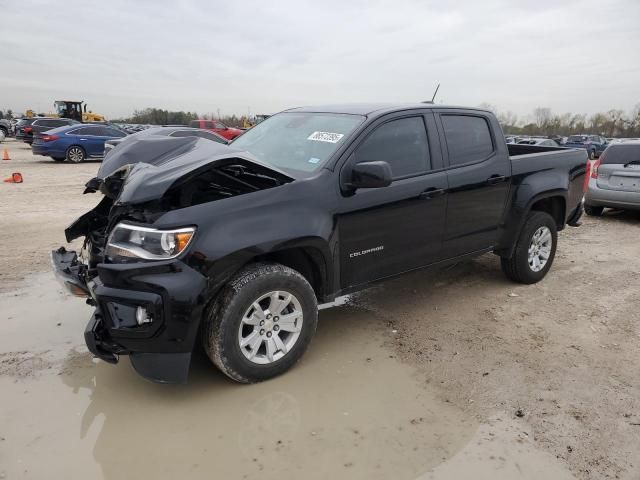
(261, 323)
(592, 155)
(535, 250)
(75, 154)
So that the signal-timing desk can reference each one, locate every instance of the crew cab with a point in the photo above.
(235, 246)
(218, 127)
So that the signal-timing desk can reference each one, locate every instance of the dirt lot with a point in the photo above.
(436, 375)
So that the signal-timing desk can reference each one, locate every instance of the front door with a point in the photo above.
(389, 230)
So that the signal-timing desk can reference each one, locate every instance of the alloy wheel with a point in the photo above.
(270, 327)
(540, 248)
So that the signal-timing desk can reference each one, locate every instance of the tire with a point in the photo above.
(592, 155)
(225, 323)
(518, 268)
(58, 159)
(593, 211)
(75, 154)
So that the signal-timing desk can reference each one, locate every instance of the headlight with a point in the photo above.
(131, 241)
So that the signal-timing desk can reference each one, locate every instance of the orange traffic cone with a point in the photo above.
(5, 155)
(14, 178)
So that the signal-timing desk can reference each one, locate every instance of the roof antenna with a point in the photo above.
(434, 95)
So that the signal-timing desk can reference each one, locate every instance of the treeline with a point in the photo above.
(543, 121)
(158, 116)
(6, 115)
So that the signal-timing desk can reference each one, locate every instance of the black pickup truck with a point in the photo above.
(234, 246)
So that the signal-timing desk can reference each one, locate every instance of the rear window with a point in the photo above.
(577, 139)
(52, 123)
(468, 138)
(621, 154)
(194, 123)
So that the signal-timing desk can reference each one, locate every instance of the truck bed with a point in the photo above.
(527, 158)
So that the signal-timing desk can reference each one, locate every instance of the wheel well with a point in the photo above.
(308, 261)
(554, 206)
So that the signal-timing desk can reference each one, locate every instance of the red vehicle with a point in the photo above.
(218, 127)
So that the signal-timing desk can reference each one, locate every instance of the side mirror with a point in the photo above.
(370, 175)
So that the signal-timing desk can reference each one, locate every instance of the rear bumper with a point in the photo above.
(39, 149)
(600, 197)
(172, 296)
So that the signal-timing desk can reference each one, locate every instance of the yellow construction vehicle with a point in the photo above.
(76, 110)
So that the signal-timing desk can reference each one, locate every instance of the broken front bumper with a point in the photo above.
(159, 342)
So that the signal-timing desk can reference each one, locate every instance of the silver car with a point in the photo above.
(614, 179)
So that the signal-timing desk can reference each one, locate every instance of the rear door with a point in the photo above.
(619, 168)
(91, 139)
(389, 230)
(479, 176)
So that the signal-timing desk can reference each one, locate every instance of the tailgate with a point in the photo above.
(620, 178)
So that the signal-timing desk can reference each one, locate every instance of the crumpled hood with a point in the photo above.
(151, 165)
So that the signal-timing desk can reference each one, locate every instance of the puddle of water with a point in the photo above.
(501, 449)
(346, 410)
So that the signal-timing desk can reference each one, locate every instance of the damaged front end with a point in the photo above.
(148, 295)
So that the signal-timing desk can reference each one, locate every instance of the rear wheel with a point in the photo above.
(75, 154)
(261, 323)
(535, 250)
(592, 155)
(593, 211)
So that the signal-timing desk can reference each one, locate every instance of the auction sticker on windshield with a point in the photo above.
(325, 137)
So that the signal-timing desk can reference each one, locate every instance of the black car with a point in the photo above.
(174, 131)
(20, 126)
(234, 246)
(39, 125)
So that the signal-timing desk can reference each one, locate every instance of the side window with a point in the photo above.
(468, 138)
(112, 132)
(210, 136)
(401, 143)
(183, 133)
(86, 131)
(208, 124)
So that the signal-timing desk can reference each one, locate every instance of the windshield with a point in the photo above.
(297, 140)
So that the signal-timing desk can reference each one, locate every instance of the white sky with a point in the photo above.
(235, 55)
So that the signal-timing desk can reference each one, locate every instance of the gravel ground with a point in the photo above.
(560, 356)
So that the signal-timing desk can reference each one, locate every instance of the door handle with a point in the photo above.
(432, 193)
(494, 179)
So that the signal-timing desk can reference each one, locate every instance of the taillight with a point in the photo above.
(50, 138)
(27, 129)
(585, 184)
(594, 169)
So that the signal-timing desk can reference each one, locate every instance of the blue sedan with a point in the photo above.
(75, 143)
